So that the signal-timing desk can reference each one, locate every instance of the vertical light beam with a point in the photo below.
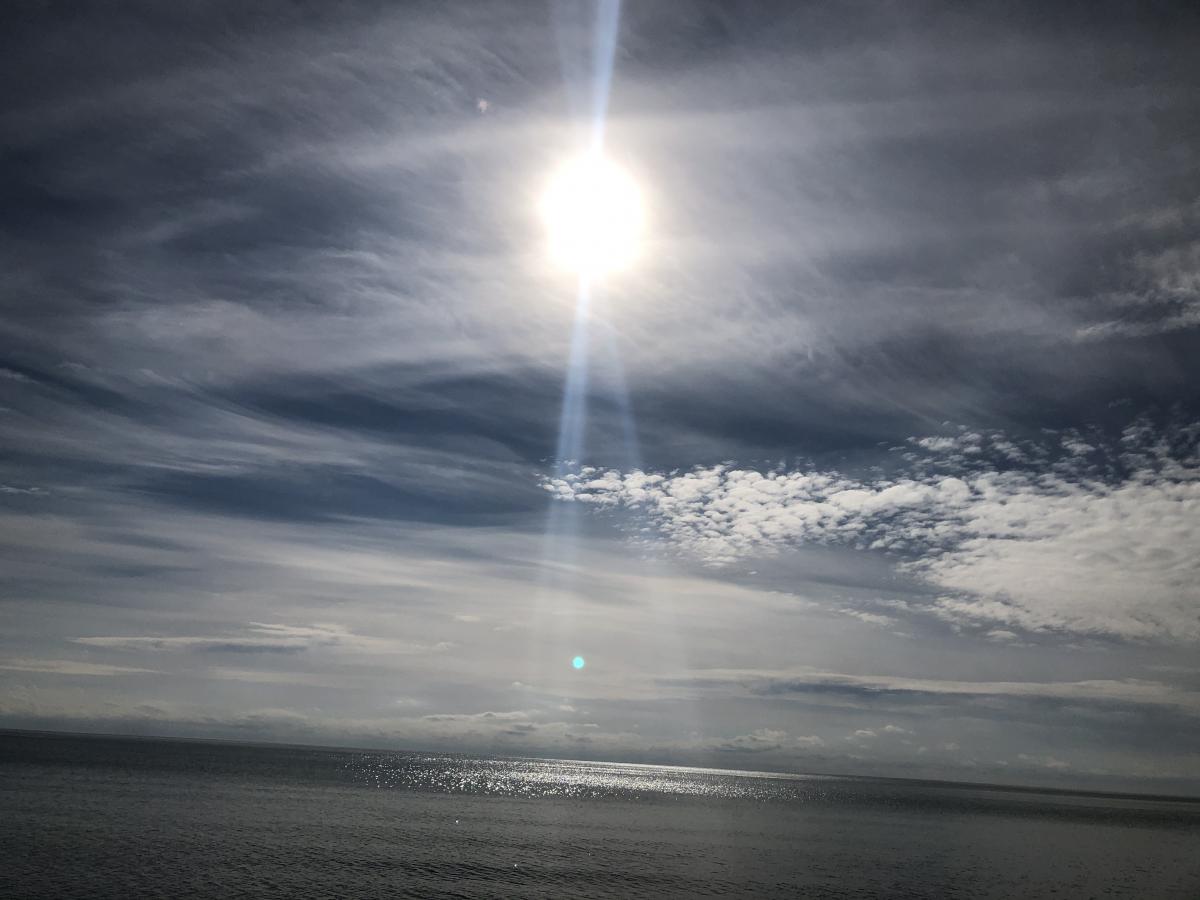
(560, 543)
(573, 416)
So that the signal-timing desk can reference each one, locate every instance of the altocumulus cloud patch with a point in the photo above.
(1086, 539)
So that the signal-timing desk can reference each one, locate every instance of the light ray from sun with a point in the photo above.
(566, 208)
(594, 217)
(572, 419)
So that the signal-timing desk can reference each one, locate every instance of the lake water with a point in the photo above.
(112, 817)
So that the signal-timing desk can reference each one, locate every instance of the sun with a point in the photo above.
(594, 216)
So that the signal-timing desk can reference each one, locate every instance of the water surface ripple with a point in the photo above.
(111, 817)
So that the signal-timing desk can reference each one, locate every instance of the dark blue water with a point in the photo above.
(109, 817)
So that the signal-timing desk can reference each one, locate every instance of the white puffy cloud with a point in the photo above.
(1121, 561)
(1067, 546)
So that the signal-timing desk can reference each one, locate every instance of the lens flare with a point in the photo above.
(578, 662)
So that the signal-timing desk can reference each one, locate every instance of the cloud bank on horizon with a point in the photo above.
(910, 356)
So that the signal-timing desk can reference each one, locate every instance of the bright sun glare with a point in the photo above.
(594, 217)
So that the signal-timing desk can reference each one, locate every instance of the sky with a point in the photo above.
(881, 459)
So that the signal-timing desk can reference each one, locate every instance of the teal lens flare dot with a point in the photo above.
(578, 662)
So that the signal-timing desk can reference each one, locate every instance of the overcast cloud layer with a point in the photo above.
(911, 480)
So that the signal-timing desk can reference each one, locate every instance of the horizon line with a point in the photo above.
(749, 773)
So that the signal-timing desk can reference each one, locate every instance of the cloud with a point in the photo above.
(69, 667)
(867, 617)
(261, 638)
(515, 715)
(31, 491)
(761, 740)
(1062, 547)
(1099, 691)
(270, 676)
(1121, 560)
(866, 734)
(1043, 762)
(1164, 294)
